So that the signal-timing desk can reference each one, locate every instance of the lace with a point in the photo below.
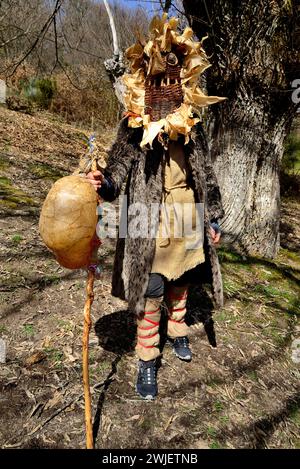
(148, 374)
(182, 342)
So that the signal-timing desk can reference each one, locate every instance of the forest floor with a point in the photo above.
(244, 393)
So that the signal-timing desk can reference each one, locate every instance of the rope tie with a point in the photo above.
(176, 310)
(152, 312)
(148, 336)
(179, 321)
(146, 346)
(155, 323)
(146, 328)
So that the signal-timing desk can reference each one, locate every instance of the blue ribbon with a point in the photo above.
(91, 143)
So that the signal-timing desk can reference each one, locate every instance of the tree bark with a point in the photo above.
(253, 53)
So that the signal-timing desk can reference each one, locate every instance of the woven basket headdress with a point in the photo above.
(163, 93)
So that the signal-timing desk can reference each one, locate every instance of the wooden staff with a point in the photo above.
(85, 359)
(85, 345)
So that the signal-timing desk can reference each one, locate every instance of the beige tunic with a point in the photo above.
(179, 241)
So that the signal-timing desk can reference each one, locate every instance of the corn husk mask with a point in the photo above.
(162, 90)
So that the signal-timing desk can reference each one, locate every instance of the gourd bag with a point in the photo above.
(68, 221)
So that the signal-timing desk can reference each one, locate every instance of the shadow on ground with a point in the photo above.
(116, 331)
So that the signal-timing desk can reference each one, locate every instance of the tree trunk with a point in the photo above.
(253, 63)
(247, 167)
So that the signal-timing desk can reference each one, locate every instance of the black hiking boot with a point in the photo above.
(146, 385)
(181, 348)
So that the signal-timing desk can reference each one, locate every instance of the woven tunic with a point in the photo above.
(179, 240)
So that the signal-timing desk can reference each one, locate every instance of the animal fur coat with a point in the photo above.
(143, 169)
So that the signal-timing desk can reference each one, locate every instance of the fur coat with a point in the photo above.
(143, 169)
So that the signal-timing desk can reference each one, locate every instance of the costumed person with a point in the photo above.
(162, 150)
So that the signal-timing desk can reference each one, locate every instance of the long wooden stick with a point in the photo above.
(85, 359)
(113, 28)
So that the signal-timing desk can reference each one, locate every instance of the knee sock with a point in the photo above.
(147, 347)
(176, 298)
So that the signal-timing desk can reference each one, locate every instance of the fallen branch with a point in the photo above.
(41, 425)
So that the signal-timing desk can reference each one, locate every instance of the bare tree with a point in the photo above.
(62, 34)
(115, 66)
(166, 5)
(23, 27)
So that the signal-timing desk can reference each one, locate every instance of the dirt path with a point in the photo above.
(242, 394)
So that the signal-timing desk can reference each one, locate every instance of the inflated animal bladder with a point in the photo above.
(68, 221)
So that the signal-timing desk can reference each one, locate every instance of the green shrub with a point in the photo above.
(291, 156)
(40, 91)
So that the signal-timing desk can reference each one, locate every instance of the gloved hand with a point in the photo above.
(215, 232)
(216, 227)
